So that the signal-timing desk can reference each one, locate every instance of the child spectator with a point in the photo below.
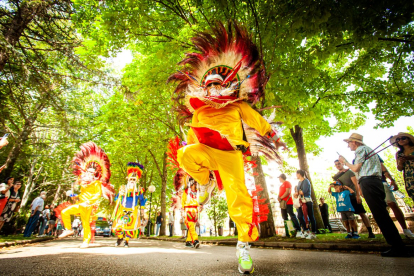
(343, 205)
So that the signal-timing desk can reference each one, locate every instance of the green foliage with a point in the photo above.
(217, 210)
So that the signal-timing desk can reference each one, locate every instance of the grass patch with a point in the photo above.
(334, 238)
(18, 237)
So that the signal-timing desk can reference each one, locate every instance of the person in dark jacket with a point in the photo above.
(324, 208)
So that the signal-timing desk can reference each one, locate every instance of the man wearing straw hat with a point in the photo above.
(368, 170)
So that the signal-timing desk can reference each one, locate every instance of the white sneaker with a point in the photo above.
(311, 236)
(205, 191)
(84, 245)
(305, 235)
(408, 233)
(243, 256)
(299, 235)
(66, 233)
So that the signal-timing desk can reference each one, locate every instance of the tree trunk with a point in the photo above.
(15, 152)
(29, 187)
(267, 228)
(297, 134)
(163, 194)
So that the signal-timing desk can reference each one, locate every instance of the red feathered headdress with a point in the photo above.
(92, 156)
(226, 68)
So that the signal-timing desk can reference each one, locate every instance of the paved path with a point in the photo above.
(150, 257)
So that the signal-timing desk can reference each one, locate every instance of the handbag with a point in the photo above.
(283, 203)
(296, 202)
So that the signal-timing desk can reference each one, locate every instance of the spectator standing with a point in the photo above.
(75, 226)
(12, 204)
(171, 223)
(405, 159)
(303, 190)
(52, 221)
(183, 227)
(45, 222)
(348, 178)
(5, 192)
(144, 223)
(59, 227)
(285, 194)
(36, 209)
(392, 202)
(368, 169)
(158, 223)
(231, 225)
(324, 209)
(344, 206)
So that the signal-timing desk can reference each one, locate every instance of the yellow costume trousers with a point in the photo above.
(192, 233)
(198, 159)
(85, 214)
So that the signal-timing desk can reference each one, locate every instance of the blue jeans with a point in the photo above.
(43, 227)
(31, 224)
(158, 229)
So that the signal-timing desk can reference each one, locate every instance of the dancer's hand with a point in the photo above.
(341, 159)
(281, 144)
(3, 142)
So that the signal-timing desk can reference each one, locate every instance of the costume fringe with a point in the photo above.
(58, 209)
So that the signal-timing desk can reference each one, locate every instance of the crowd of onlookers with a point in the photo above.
(366, 177)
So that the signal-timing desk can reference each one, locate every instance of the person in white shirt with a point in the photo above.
(75, 226)
(36, 209)
(171, 223)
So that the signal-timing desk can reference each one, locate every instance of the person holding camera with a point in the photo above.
(5, 192)
(344, 207)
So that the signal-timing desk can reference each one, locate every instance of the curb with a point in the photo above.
(292, 245)
(13, 243)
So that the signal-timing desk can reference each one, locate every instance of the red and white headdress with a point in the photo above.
(227, 65)
(93, 157)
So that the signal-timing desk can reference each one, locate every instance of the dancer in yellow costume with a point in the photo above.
(126, 216)
(189, 202)
(223, 78)
(91, 165)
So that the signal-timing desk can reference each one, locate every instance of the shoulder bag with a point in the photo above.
(283, 203)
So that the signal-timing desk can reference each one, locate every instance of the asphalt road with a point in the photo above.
(149, 257)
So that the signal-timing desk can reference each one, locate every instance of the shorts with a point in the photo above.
(347, 215)
(52, 222)
(389, 195)
(358, 207)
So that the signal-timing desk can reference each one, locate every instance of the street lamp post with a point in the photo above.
(151, 189)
